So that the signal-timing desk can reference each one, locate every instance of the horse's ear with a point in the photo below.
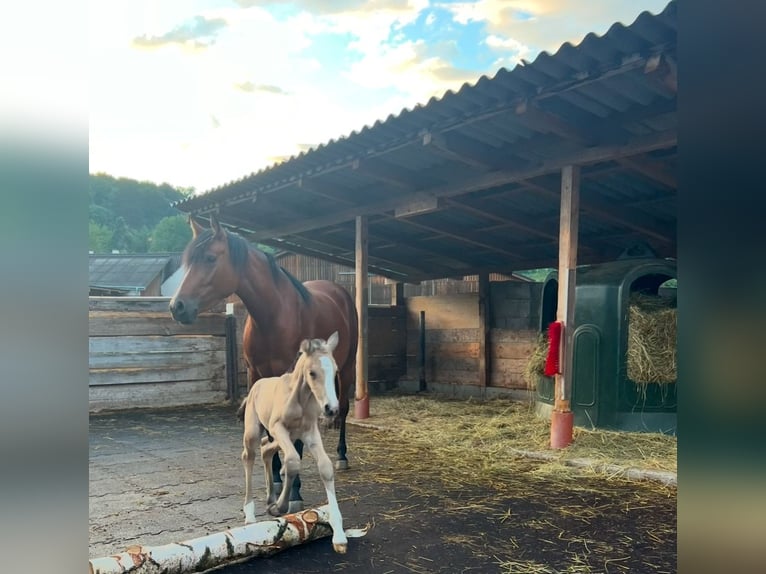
(196, 227)
(214, 225)
(332, 342)
(306, 346)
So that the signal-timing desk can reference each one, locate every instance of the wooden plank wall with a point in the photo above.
(452, 335)
(515, 324)
(452, 338)
(140, 357)
(387, 347)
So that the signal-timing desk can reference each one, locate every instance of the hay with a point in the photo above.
(651, 340)
(535, 367)
(475, 439)
(458, 455)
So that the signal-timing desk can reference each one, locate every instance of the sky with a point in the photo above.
(199, 93)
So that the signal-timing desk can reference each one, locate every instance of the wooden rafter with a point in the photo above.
(614, 212)
(485, 181)
(643, 165)
(543, 121)
(388, 174)
(374, 252)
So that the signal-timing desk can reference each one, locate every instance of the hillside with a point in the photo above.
(134, 216)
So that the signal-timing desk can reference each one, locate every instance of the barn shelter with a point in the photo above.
(568, 160)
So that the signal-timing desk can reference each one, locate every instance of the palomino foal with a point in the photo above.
(289, 408)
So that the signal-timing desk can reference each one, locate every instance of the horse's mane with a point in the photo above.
(275, 269)
(238, 251)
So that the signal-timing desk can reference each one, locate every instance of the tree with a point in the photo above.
(170, 234)
(99, 238)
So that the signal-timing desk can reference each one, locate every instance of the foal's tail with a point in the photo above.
(241, 410)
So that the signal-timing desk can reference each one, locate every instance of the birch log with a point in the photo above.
(202, 554)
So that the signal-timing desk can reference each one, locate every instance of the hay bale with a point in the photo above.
(651, 339)
(535, 367)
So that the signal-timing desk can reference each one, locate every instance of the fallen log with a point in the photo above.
(234, 545)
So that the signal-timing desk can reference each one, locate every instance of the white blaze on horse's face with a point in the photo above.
(331, 406)
(320, 372)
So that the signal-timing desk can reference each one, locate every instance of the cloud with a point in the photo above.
(197, 33)
(250, 87)
(215, 121)
(547, 24)
(323, 7)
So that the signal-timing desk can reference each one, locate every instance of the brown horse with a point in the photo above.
(282, 312)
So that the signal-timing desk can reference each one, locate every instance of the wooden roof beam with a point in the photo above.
(662, 70)
(310, 186)
(482, 182)
(459, 148)
(396, 272)
(607, 210)
(470, 238)
(388, 174)
(643, 165)
(504, 221)
(374, 252)
(539, 120)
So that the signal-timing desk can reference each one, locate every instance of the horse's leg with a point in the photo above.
(292, 464)
(324, 464)
(345, 377)
(249, 442)
(276, 473)
(296, 500)
(268, 451)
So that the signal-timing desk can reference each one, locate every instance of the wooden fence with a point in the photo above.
(140, 357)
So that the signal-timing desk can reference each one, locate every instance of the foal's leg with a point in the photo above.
(292, 464)
(296, 500)
(249, 441)
(269, 449)
(314, 443)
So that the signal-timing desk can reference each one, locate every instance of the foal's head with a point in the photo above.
(316, 366)
(213, 262)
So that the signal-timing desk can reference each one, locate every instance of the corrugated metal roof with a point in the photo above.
(608, 104)
(129, 271)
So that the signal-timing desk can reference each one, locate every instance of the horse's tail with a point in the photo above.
(241, 410)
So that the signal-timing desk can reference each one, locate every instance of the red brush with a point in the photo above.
(552, 366)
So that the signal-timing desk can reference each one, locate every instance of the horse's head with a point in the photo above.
(318, 369)
(210, 274)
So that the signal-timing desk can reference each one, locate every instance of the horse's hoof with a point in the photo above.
(295, 506)
(340, 548)
(249, 510)
(341, 465)
(274, 510)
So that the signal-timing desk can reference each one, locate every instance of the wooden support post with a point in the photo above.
(362, 399)
(484, 323)
(232, 378)
(397, 294)
(422, 352)
(562, 418)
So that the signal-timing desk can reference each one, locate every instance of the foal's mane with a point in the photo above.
(238, 251)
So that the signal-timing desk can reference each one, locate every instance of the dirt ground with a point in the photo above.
(531, 524)
(159, 477)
